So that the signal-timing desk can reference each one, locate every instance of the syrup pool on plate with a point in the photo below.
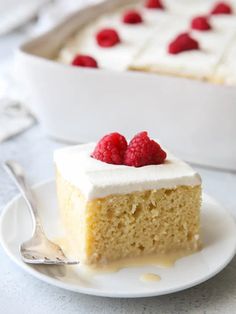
(149, 277)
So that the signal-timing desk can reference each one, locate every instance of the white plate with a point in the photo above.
(218, 235)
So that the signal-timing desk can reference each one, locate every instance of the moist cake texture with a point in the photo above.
(111, 212)
(144, 46)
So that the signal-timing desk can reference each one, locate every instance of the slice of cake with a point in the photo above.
(134, 201)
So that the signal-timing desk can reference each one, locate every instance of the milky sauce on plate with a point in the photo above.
(160, 260)
(150, 277)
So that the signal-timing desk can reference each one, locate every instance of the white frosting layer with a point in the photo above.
(96, 179)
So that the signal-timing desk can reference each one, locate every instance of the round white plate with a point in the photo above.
(219, 246)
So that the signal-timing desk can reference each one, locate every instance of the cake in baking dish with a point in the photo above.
(186, 38)
(118, 201)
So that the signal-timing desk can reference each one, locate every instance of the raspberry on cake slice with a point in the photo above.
(122, 199)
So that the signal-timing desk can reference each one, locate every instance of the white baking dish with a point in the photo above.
(194, 119)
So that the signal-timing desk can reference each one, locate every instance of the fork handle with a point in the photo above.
(16, 173)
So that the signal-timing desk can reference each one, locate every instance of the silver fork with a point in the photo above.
(39, 249)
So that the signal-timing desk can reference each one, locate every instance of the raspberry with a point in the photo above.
(107, 37)
(200, 23)
(111, 149)
(84, 61)
(182, 42)
(154, 4)
(132, 17)
(143, 151)
(222, 8)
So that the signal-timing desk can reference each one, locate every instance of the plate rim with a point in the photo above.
(103, 293)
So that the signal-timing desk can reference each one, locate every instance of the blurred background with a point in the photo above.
(19, 21)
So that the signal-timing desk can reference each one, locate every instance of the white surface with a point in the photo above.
(97, 179)
(20, 292)
(14, 13)
(14, 118)
(218, 237)
(184, 114)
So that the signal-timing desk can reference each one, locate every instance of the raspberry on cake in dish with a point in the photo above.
(154, 4)
(222, 8)
(119, 200)
(84, 61)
